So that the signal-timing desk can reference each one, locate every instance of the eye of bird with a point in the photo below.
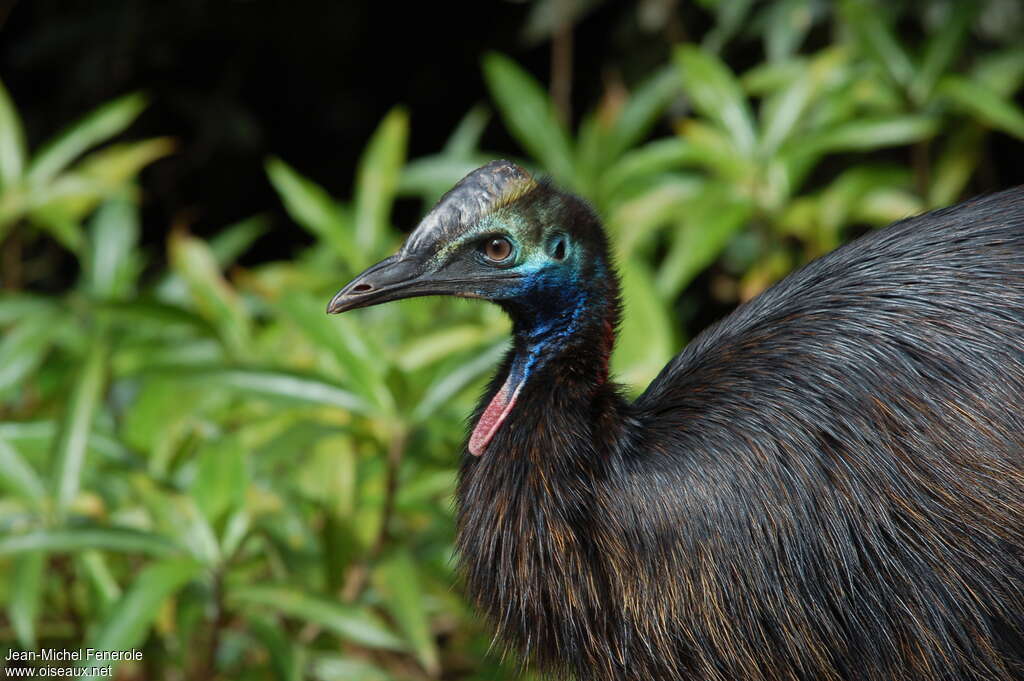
(497, 249)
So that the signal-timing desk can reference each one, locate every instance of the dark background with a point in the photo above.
(235, 81)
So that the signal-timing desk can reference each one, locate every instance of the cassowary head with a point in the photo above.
(501, 236)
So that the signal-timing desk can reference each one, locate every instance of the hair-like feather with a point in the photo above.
(826, 485)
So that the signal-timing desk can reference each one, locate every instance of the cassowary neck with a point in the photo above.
(526, 505)
(562, 333)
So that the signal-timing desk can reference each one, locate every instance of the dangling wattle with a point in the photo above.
(494, 415)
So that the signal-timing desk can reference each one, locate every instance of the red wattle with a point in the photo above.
(492, 418)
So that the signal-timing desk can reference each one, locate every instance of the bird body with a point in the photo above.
(826, 484)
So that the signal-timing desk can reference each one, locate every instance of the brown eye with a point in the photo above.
(497, 249)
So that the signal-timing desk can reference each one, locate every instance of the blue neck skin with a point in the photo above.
(547, 311)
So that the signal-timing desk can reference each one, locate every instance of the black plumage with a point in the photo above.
(826, 484)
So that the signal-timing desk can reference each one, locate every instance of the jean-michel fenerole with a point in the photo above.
(63, 655)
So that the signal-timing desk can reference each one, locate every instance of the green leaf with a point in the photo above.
(26, 589)
(235, 239)
(94, 566)
(955, 165)
(878, 40)
(114, 165)
(377, 179)
(288, 386)
(112, 263)
(12, 141)
(466, 136)
(449, 385)
(866, 134)
(18, 476)
(641, 111)
(397, 579)
(717, 95)
(70, 541)
(76, 424)
(103, 123)
(23, 348)
(346, 340)
(1001, 72)
(284, 656)
(215, 299)
(328, 667)
(788, 23)
(941, 49)
(313, 208)
(128, 623)
(983, 104)
(529, 115)
(711, 221)
(352, 623)
(222, 477)
(647, 342)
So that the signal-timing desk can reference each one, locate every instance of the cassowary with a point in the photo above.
(827, 484)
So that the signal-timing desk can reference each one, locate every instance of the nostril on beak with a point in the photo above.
(362, 288)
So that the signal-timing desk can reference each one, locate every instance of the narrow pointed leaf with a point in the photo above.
(12, 141)
(398, 581)
(642, 109)
(529, 115)
(128, 623)
(100, 125)
(113, 237)
(717, 94)
(76, 424)
(983, 104)
(23, 348)
(878, 39)
(272, 383)
(377, 179)
(353, 623)
(313, 208)
(214, 298)
(106, 538)
(26, 595)
(941, 49)
(451, 384)
(17, 476)
(234, 240)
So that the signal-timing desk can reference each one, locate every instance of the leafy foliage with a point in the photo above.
(201, 463)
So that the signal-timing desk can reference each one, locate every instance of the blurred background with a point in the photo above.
(196, 462)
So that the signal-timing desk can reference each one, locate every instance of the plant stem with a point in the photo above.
(561, 63)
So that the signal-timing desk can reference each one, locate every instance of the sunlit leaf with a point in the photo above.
(222, 477)
(529, 115)
(111, 264)
(942, 48)
(878, 39)
(214, 298)
(17, 476)
(398, 581)
(129, 621)
(377, 179)
(446, 387)
(353, 623)
(26, 596)
(271, 383)
(75, 426)
(314, 209)
(12, 141)
(984, 104)
(717, 95)
(82, 538)
(100, 125)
